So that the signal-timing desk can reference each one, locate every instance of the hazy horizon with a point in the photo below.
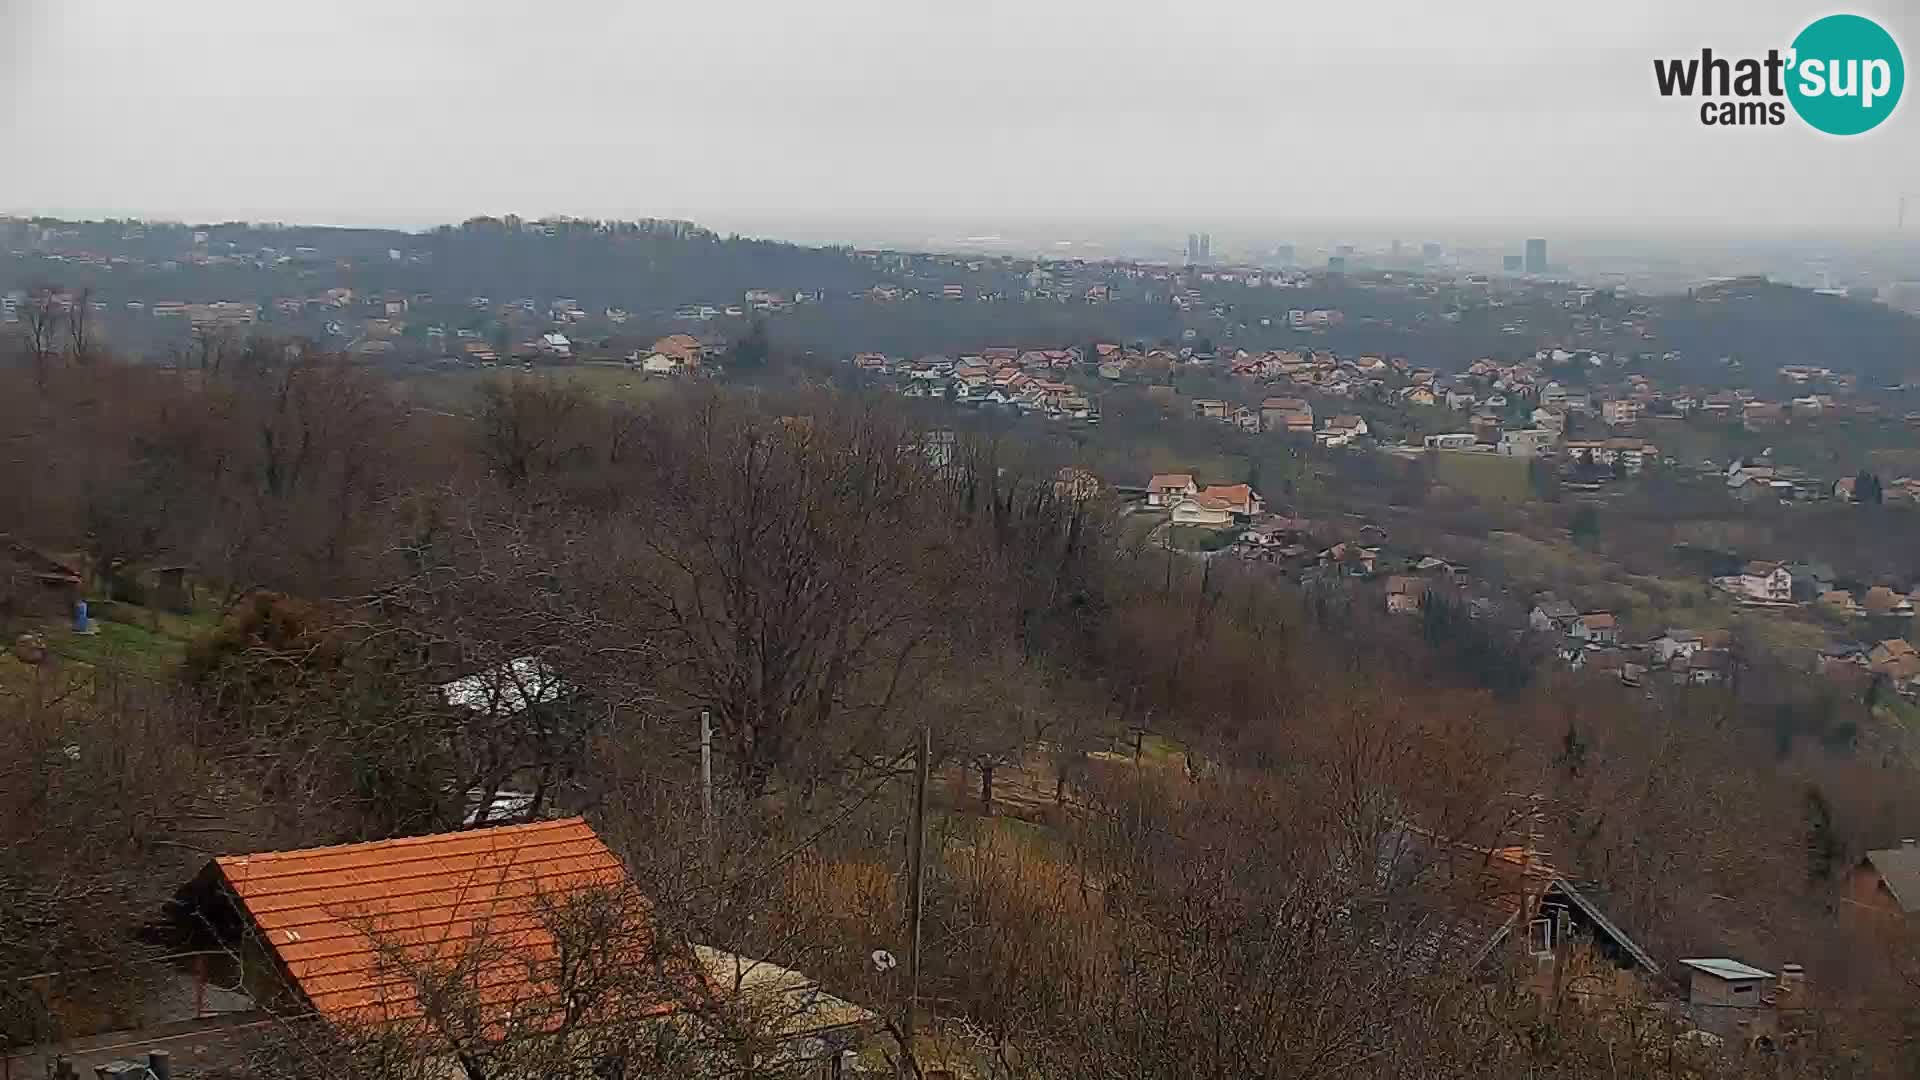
(863, 117)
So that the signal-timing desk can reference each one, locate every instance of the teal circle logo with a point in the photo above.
(1846, 75)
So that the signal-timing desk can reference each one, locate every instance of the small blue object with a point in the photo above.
(80, 623)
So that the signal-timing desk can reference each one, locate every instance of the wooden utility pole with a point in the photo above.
(916, 886)
(706, 771)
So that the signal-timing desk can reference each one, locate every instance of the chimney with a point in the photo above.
(1792, 985)
(160, 1064)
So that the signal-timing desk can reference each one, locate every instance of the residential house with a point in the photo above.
(1618, 411)
(1748, 483)
(1459, 440)
(1418, 395)
(1354, 560)
(1527, 442)
(1707, 667)
(1211, 408)
(1763, 582)
(334, 933)
(1202, 510)
(1891, 650)
(1896, 661)
(1757, 415)
(1165, 489)
(1596, 628)
(1430, 566)
(1405, 595)
(1632, 455)
(1238, 498)
(1810, 579)
(1886, 882)
(1552, 615)
(555, 345)
(1675, 644)
(1341, 431)
(1289, 414)
(1881, 600)
(1811, 406)
(1493, 911)
(36, 583)
(1839, 602)
(684, 350)
(660, 364)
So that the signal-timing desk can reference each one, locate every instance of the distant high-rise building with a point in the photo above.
(1206, 247)
(1193, 247)
(1429, 250)
(1512, 264)
(1284, 254)
(1336, 264)
(1343, 249)
(1536, 256)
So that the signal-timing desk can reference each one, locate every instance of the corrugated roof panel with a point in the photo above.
(1727, 969)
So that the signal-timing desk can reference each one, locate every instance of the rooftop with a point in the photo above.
(428, 897)
(506, 689)
(1899, 870)
(1723, 968)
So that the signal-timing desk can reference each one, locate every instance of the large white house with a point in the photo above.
(1166, 489)
(1767, 582)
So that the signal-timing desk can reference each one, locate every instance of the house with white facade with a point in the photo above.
(1166, 489)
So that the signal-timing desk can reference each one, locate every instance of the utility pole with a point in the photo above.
(916, 887)
(706, 770)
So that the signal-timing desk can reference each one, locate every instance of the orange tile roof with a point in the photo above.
(429, 899)
(1235, 495)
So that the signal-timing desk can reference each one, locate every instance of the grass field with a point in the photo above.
(1484, 476)
(1198, 538)
(137, 641)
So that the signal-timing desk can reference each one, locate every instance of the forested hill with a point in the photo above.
(669, 262)
(1763, 325)
(660, 263)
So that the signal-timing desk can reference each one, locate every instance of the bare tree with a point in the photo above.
(40, 319)
(79, 327)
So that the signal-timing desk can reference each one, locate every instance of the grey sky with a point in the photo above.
(1493, 111)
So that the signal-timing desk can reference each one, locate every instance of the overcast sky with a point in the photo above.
(1494, 111)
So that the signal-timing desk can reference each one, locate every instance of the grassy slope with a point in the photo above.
(1485, 476)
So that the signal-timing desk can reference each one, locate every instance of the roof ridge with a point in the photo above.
(517, 854)
(403, 841)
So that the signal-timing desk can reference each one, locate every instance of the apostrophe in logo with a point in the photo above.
(1846, 75)
(1843, 75)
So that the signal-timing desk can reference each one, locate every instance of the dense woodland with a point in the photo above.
(789, 559)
